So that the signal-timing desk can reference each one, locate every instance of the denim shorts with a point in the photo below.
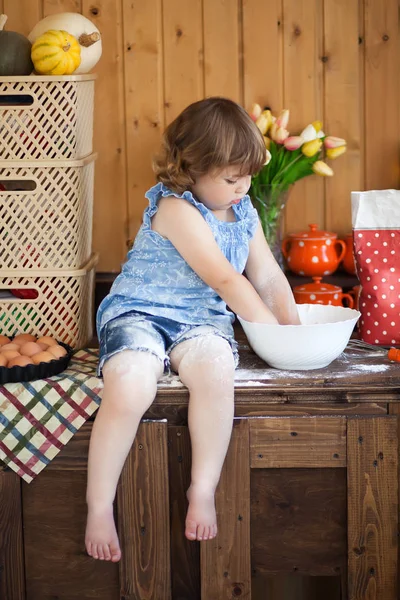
(148, 333)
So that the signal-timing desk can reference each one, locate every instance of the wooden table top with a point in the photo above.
(355, 372)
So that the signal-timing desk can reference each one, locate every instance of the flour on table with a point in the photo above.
(369, 368)
(266, 374)
(256, 377)
(249, 383)
(170, 381)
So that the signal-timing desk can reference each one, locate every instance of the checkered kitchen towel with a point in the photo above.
(38, 418)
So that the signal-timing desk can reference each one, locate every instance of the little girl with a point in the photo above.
(168, 308)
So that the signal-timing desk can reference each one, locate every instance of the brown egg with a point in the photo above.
(57, 351)
(3, 361)
(9, 354)
(20, 361)
(21, 338)
(30, 348)
(4, 340)
(43, 346)
(10, 346)
(43, 356)
(46, 339)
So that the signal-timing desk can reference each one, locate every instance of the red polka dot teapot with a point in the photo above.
(320, 292)
(313, 253)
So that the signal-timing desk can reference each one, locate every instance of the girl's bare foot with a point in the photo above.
(201, 518)
(101, 537)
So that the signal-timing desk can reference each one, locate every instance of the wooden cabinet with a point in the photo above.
(307, 504)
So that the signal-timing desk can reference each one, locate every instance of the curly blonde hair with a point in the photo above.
(208, 135)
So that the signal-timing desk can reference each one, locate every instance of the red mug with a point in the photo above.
(320, 292)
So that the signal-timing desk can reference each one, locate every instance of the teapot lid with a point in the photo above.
(313, 234)
(318, 286)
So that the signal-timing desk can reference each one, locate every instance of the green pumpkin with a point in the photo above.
(15, 54)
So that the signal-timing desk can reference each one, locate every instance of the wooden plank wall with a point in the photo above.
(333, 60)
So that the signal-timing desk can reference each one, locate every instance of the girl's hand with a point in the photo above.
(269, 281)
(182, 224)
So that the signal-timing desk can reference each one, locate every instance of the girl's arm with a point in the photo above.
(269, 281)
(182, 224)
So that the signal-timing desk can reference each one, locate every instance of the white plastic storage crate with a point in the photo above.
(58, 303)
(46, 213)
(43, 117)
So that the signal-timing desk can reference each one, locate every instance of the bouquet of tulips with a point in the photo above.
(289, 158)
(292, 157)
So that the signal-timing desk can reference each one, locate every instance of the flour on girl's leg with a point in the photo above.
(206, 366)
(130, 384)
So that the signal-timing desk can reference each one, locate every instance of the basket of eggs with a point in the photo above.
(25, 357)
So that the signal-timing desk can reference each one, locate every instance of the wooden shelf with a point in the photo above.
(341, 278)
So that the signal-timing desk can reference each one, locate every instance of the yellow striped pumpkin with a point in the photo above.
(56, 52)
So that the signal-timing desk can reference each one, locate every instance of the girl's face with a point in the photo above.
(218, 190)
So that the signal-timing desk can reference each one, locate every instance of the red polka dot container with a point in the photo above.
(376, 227)
(320, 292)
(313, 253)
(378, 268)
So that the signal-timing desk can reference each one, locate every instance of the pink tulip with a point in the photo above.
(293, 142)
(283, 119)
(333, 142)
(255, 112)
(278, 134)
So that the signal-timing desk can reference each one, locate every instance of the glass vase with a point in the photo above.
(270, 202)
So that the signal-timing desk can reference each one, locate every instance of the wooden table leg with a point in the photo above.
(143, 516)
(225, 561)
(372, 478)
(12, 576)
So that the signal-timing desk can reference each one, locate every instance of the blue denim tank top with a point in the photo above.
(156, 280)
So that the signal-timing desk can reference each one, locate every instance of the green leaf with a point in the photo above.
(285, 167)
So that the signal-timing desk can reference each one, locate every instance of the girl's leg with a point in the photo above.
(206, 366)
(130, 385)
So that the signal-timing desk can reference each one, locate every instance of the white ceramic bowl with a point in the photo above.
(321, 337)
